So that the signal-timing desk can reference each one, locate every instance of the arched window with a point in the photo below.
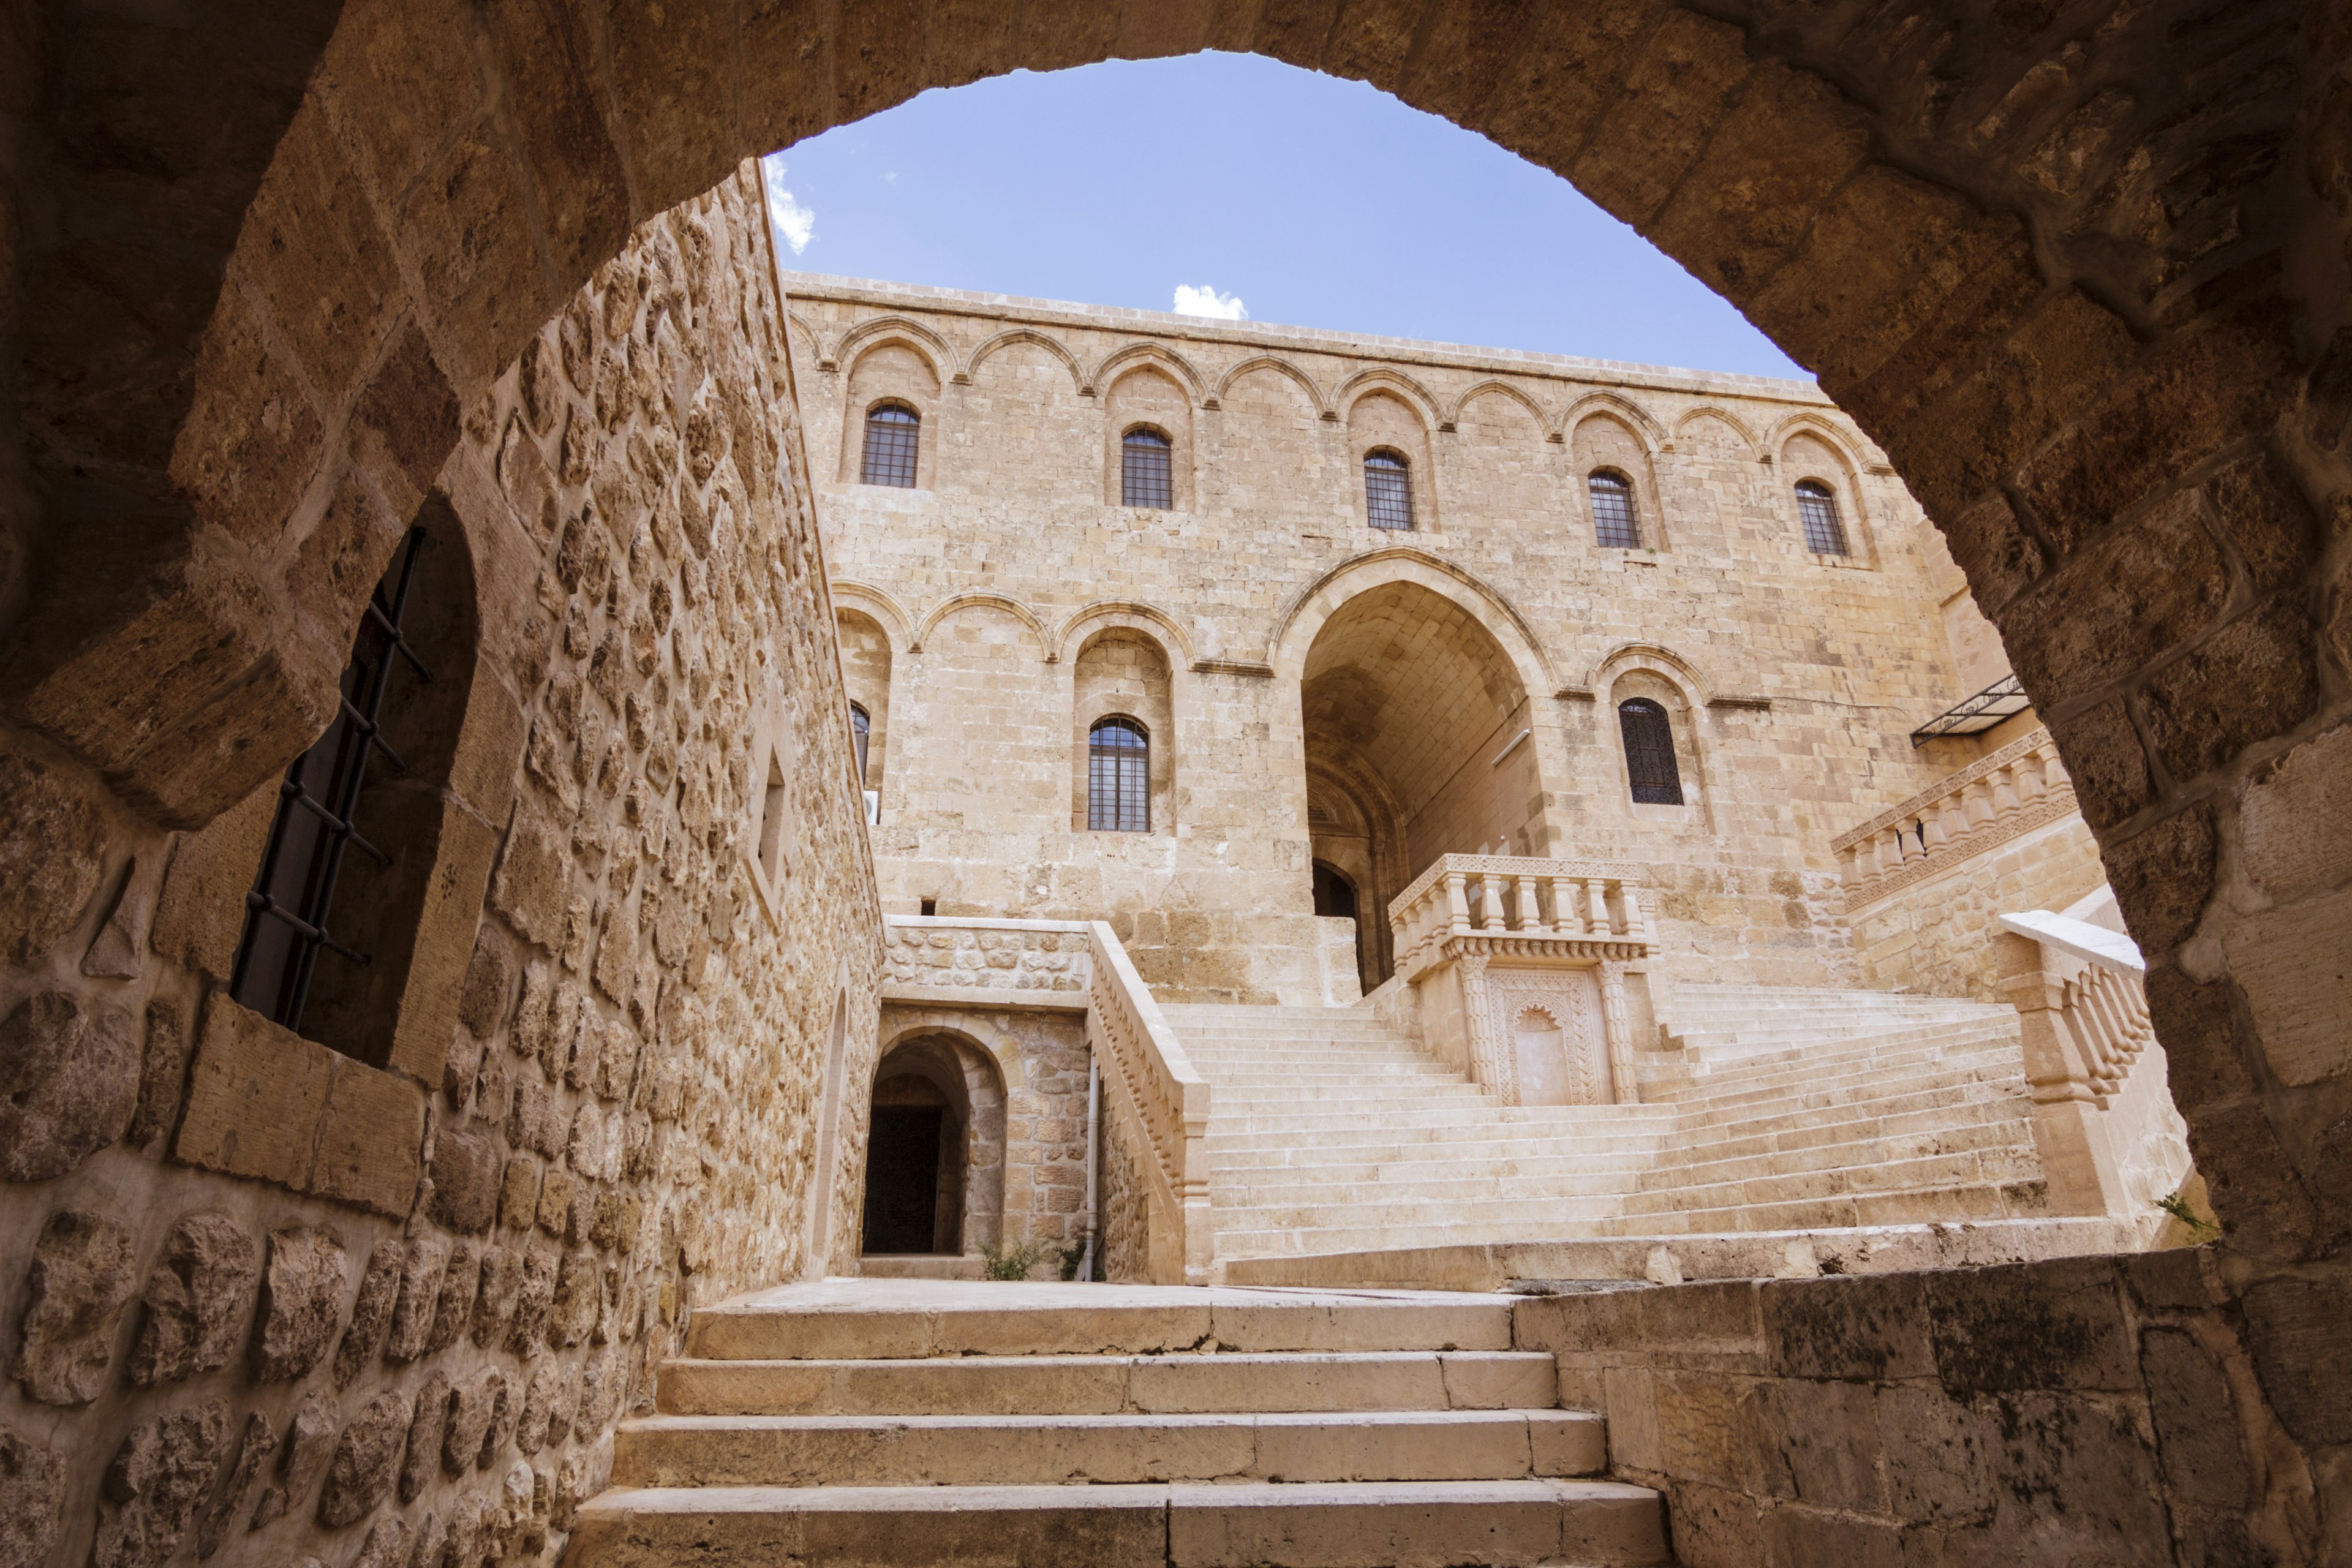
(1119, 777)
(1143, 473)
(860, 727)
(1825, 534)
(1614, 520)
(1388, 488)
(1650, 753)
(893, 432)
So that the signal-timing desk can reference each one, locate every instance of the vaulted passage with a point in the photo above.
(2080, 270)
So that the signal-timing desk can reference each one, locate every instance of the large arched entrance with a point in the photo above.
(2080, 270)
(1415, 727)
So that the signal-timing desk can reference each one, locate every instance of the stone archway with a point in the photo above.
(2081, 275)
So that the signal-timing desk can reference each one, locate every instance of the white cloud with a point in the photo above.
(796, 225)
(1206, 301)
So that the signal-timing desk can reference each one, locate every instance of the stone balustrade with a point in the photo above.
(1156, 1104)
(1479, 934)
(2110, 1140)
(1994, 799)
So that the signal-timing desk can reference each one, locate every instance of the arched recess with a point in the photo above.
(866, 665)
(1281, 367)
(1149, 619)
(1295, 625)
(1711, 425)
(1500, 463)
(1177, 368)
(881, 607)
(1648, 671)
(1808, 450)
(189, 421)
(1123, 671)
(935, 350)
(1645, 427)
(1034, 339)
(890, 366)
(1011, 607)
(1602, 440)
(1490, 387)
(959, 1083)
(1382, 419)
(1144, 396)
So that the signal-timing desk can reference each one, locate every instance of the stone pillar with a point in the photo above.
(1619, 1033)
(1486, 1066)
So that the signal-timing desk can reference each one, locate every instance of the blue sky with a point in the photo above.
(1312, 200)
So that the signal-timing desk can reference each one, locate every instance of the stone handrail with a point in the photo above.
(1569, 905)
(1996, 798)
(1162, 1106)
(2110, 1140)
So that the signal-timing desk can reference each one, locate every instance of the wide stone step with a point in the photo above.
(1490, 1115)
(1106, 1451)
(1714, 1087)
(1938, 1115)
(1439, 1164)
(1924, 1205)
(1958, 1083)
(904, 1319)
(1231, 1195)
(1408, 1524)
(1465, 1139)
(1081, 1385)
(1682, 1080)
(1874, 1147)
(1512, 1215)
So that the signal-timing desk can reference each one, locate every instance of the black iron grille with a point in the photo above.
(1613, 518)
(1650, 753)
(1825, 534)
(1388, 490)
(286, 926)
(892, 434)
(1144, 470)
(1119, 777)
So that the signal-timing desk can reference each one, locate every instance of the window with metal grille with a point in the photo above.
(861, 729)
(1614, 520)
(291, 923)
(1388, 488)
(1119, 777)
(893, 432)
(1650, 753)
(1825, 534)
(1144, 469)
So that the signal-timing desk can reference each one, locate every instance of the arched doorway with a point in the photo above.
(1415, 726)
(935, 1150)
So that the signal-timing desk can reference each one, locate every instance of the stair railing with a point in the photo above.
(2110, 1140)
(1159, 1104)
(1994, 799)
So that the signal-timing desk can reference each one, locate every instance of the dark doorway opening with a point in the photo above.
(902, 1178)
(1334, 894)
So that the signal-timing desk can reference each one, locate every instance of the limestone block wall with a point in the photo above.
(2077, 1410)
(1936, 936)
(277, 1304)
(1791, 679)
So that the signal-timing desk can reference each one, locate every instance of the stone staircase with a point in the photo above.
(913, 1422)
(1784, 1109)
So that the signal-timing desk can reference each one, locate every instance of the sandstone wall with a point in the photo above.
(2081, 1410)
(275, 1303)
(1793, 678)
(1936, 936)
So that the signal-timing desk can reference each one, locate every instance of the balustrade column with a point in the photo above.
(1977, 802)
(2004, 791)
(1596, 908)
(1619, 1033)
(1564, 921)
(1490, 900)
(1525, 914)
(1457, 903)
(1486, 1066)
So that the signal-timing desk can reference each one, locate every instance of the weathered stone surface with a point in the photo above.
(197, 1300)
(309, 1440)
(371, 1311)
(477, 1407)
(386, 1545)
(454, 1308)
(2295, 1327)
(120, 947)
(2051, 1325)
(467, 1169)
(68, 1083)
(501, 1283)
(151, 1488)
(81, 1277)
(198, 917)
(365, 1463)
(534, 1295)
(426, 1431)
(163, 1074)
(422, 1263)
(32, 1501)
(571, 1316)
(301, 1302)
(489, 986)
(252, 1450)
(51, 842)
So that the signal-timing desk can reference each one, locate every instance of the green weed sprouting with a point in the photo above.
(1014, 1261)
(2173, 1203)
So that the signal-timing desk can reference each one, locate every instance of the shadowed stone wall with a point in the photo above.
(273, 1301)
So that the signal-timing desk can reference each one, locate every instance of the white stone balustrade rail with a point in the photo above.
(1994, 799)
(2110, 1140)
(1160, 1104)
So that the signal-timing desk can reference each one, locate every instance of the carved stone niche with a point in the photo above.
(1549, 1027)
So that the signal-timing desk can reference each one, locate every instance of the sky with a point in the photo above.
(1233, 185)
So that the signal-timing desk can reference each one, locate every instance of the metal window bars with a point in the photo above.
(286, 911)
(893, 433)
(1144, 471)
(1817, 508)
(1650, 753)
(2004, 698)
(1614, 519)
(1388, 490)
(1119, 777)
